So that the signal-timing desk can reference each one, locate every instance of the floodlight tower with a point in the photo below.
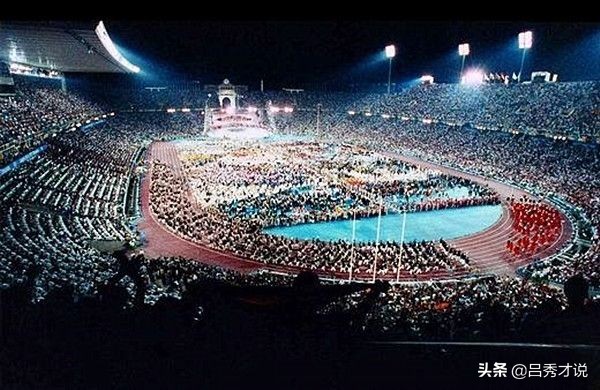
(390, 52)
(463, 50)
(525, 43)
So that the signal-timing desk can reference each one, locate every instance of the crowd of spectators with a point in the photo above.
(550, 167)
(552, 109)
(35, 111)
(81, 190)
(54, 206)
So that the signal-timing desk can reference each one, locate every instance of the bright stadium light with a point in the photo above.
(368, 114)
(185, 110)
(463, 50)
(171, 110)
(351, 112)
(274, 109)
(525, 40)
(390, 52)
(525, 43)
(385, 116)
(427, 79)
(473, 77)
(112, 49)
(288, 109)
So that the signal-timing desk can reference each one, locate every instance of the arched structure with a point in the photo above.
(227, 95)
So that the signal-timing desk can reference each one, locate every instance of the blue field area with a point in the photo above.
(286, 138)
(427, 225)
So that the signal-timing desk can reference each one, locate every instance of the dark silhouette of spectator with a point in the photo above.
(576, 291)
(578, 323)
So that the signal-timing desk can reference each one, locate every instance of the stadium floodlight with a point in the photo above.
(525, 40)
(111, 48)
(368, 114)
(525, 43)
(463, 50)
(390, 52)
(171, 110)
(288, 109)
(274, 109)
(386, 116)
(427, 79)
(185, 110)
(473, 77)
(351, 112)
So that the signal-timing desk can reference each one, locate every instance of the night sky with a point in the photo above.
(297, 54)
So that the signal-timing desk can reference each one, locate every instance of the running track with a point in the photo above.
(486, 249)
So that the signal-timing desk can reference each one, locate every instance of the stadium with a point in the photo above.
(176, 216)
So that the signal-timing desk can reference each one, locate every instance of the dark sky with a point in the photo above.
(296, 53)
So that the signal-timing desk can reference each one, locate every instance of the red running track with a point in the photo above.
(486, 249)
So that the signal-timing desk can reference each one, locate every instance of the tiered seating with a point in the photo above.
(554, 109)
(77, 191)
(51, 245)
(27, 118)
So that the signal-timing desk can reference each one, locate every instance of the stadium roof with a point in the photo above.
(62, 48)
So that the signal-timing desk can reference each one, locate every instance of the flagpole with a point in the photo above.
(353, 238)
(401, 245)
(377, 239)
